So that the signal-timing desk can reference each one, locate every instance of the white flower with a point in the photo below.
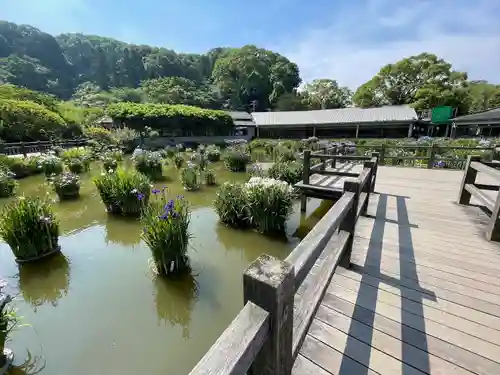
(134, 191)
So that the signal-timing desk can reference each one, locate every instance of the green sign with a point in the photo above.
(441, 115)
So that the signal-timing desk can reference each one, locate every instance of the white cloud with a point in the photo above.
(465, 33)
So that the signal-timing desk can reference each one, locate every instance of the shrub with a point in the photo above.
(7, 183)
(236, 160)
(209, 177)
(231, 205)
(178, 160)
(29, 121)
(30, 228)
(98, 134)
(124, 191)
(67, 186)
(163, 116)
(290, 172)
(166, 233)
(269, 202)
(76, 153)
(150, 164)
(51, 164)
(213, 153)
(125, 138)
(255, 170)
(190, 177)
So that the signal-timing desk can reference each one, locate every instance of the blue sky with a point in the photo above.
(347, 40)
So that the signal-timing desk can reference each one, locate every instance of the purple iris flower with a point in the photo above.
(155, 191)
(140, 196)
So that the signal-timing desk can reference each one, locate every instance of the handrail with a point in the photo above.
(284, 295)
(24, 148)
(469, 189)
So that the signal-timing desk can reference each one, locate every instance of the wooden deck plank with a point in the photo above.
(423, 295)
(304, 366)
(403, 352)
(406, 334)
(448, 313)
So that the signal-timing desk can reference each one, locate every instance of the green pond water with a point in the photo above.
(98, 309)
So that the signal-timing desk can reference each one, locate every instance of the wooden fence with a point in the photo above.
(281, 297)
(426, 156)
(25, 148)
(471, 189)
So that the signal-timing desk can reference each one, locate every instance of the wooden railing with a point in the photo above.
(281, 297)
(431, 159)
(25, 148)
(471, 189)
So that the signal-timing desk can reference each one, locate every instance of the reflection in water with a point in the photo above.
(31, 366)
(124, 231)
(174, 300)
(46, 280)
(308, 222)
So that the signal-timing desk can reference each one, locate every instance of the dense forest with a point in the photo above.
(91, 72)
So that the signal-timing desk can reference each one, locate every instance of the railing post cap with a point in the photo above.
(351, 184)
(269, 270)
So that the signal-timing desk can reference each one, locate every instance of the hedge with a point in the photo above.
(164, 116)
(28, 121)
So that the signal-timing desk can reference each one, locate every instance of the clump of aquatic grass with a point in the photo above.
(110, 159)
(124, 191)
(213, 153)
(255, 170)
(77, 165)
(34, 164)
(7, 183)
(51, 164)
(170, 152)
(76, 153)
(9, 320)
(178, 160)
(180, 147)
(209, 177)
(150, 164)
(19, 166)
(189, 150)
(200, 160)
(284, 154)
(30, 228)
(231, 205)
(190, 177)
(166, 223)
(236, 160)
(67, 186)
(269, 202)
(290, 172)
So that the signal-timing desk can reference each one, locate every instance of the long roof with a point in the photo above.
(491, 115)
(399, 113)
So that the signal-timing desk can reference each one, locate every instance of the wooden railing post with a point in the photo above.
(432, 156)
(493, 227)
(468, 178)
(349, 222)
(367, 187)
(305, 178)
(23, 149)
(381, 159)
(375, 171)
(270, 284)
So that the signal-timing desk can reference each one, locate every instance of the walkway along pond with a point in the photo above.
(99, 309)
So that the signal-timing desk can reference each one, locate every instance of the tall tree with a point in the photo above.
(423, 76)
(326, 94)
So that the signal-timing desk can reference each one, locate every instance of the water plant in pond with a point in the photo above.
(124, 191)
(213, 153)
(51, 164)
(209, 177)
(236, 160)
(255, 170)
(190, 177)
(110, 159)
(150, 164)
(170, 151)
(76, 153)
(269, 202)
(29, 227)
(7, 183)
(178, 160)
(290, 172)
(9, 320)
(166, 233)
(67, 185)
(231, 205)
(284, 154)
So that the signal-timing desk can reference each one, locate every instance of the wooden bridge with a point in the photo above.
(402, 282)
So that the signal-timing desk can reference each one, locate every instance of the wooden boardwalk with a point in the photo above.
(423, 293)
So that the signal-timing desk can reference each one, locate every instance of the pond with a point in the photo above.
(99, 309)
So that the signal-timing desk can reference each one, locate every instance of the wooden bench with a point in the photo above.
(471, 189)
(281, 297)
